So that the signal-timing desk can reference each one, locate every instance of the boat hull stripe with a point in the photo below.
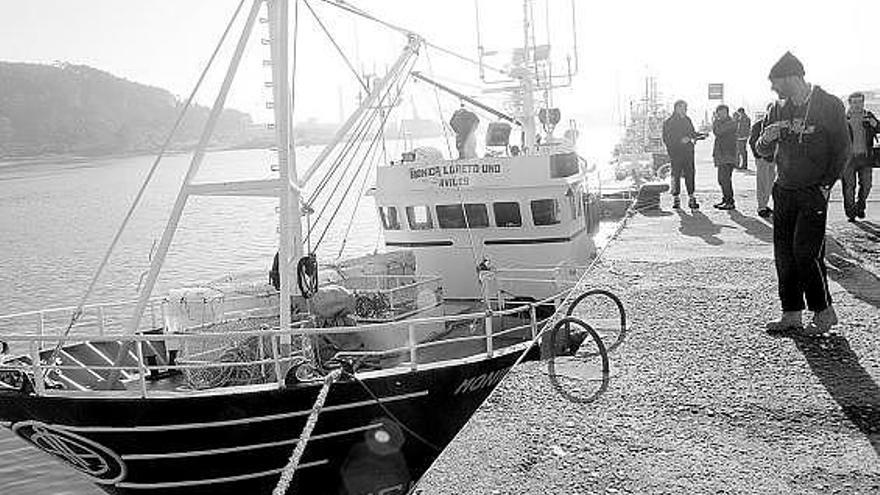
(539, 240)
(213, 481)
(418, 244)
(234, 422)
(243, 448)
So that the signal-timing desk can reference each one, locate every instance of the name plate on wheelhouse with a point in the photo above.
(454, 174)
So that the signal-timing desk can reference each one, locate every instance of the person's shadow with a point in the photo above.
(698, 225)
(754, 227)
(869, 228)
(838, 369)
(855, 279)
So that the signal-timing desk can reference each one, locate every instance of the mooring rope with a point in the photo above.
(289, 470)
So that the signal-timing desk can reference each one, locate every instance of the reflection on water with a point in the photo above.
(59, 218)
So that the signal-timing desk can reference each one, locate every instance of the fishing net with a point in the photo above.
(229, 359)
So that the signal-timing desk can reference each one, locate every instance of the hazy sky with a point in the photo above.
(685, 44)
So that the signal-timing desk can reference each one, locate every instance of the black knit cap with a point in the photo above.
(788, 65)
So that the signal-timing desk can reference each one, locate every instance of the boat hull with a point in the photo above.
(239, 443)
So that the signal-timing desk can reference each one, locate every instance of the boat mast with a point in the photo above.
(528, 84)
(290, 225)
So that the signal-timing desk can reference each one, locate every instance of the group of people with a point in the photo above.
(802, 145)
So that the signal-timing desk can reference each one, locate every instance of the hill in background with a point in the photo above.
(79, 110)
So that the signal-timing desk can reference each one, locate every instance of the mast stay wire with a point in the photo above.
(349, 7)
(368, 152)
(363, 126)
(78, 311)
(336, 45)
(439, 107)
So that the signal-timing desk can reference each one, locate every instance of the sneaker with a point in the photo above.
(851, 219)
(822, 322)
(790, 321)
(726, 206)
(676, 202)
(692, 204)
(719, 205)
(765, 212)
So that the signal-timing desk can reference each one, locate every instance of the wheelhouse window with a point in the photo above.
(419, 217)
(388, 214)
(507, 214)
(453, 216)
(546, 212)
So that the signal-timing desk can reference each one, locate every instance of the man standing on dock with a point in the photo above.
(807, 133)
(863, 129)
(679, 137)
(724, 154)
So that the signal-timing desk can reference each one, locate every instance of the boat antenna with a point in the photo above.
(78, 311)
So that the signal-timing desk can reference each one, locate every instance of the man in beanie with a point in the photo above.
(806, 132)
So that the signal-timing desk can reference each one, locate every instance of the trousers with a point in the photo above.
(857, 170)
(682, 167)
(725, 180)
(742, 154)
(799, 217)
(764, 178)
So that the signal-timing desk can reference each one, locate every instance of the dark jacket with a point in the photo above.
(725, 140)
(870, 131)
(816, 156)
(675, 129)
(757, 129)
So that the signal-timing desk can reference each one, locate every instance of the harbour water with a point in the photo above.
(58, 218)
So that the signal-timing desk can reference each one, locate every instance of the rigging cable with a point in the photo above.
(345, 193)
(78, 311)
(347, 6)
(336, 45)
(439, 107)
(358, 139)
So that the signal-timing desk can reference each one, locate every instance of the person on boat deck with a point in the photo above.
(806, 132)
(724, 154)
(863, 129)
(743, 131)
(679, 137)
(765, 169)
(464, 123)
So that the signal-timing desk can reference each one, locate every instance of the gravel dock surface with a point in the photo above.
(701, 399)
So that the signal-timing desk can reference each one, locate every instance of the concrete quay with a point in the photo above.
(701, 399)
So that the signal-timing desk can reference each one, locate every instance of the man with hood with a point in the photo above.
(806, 132)
(863, 129)
(679, 137)
(724, 154)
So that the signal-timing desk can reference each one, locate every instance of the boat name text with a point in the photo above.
(455, 175)
(478, 382)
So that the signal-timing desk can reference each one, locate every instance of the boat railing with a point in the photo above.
(112, 318)
(255, 353)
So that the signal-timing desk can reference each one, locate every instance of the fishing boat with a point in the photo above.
(350, 380)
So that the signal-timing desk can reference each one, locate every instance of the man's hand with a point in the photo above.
(686, 140)
(871, 120)
(771, 132)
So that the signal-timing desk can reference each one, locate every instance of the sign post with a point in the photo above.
(716, 91)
